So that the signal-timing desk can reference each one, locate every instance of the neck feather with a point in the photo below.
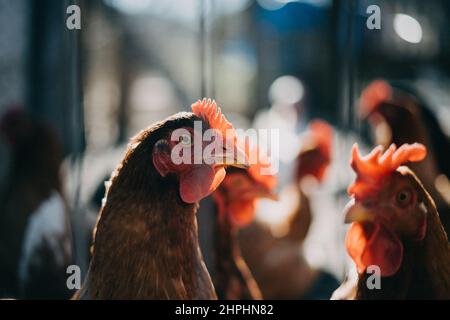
(146, 242)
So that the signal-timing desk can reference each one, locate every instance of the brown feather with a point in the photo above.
(146, 244)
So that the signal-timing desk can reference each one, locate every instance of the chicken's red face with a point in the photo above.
(315, 156)
(387, 208)
(199, 163)
(238, 195)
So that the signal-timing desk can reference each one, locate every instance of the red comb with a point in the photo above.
(376, 93)
(371, 169)
(210, 112)
(258, 162)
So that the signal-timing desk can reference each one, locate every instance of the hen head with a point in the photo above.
(240, 190)
(315, 156)
(391, 112)
(196, 148)
(388, 207)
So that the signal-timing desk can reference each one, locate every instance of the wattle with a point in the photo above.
(199, 182)
(373, 244)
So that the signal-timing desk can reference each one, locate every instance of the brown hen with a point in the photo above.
(146, 243)
(396, 228)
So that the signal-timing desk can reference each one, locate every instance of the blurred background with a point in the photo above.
(268, 63)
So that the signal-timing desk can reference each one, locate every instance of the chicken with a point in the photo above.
(277, 263)
(146, 242)
(234, 206)
(399, 117)
(35, 239)
(312, 162)
(396, 227)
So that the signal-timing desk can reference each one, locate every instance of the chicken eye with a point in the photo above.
(185, 139)
(404, 197)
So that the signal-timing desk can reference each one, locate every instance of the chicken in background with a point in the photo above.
(312, 163)
(277, 262)
(398, 116)
(35, 239)
(234, 205)
(396, 227)
(146, 242)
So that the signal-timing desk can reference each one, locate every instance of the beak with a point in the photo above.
(262, 192)
(355, 212)
(232, 156)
